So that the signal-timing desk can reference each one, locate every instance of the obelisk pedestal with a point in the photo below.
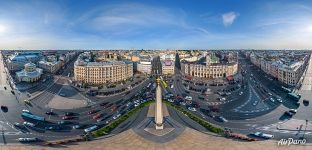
(158, 109)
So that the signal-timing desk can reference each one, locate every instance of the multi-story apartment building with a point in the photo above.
(50, 66)
(144, 66)
(212, 69)
(285, 67)
(97, 73)
(167, 67)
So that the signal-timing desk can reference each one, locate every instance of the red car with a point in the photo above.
(97, 116)
(67, 117)
(114, 108)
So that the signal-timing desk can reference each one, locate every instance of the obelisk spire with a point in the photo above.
(158, 109)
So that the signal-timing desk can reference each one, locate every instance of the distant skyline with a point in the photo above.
(155, 24)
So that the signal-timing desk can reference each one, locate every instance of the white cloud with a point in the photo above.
(229, 18)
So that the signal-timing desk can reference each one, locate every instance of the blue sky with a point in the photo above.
(155, 24)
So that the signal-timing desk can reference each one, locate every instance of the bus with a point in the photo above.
(34, 117)
(286, 89)
(90, 129)
(294, 96)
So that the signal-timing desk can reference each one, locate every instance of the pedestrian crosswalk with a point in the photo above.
(220, 103)
(275, 128)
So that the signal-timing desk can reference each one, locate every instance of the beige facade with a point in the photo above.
(209, 71)
(96, 73)
(289, 73)
(51, 67)
(168, 67)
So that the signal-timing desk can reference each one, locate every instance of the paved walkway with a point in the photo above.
(151, 110)
(188, 140)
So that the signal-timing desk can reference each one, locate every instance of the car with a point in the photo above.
(289, 113)
(117, 116)
(68, 114)
(279, 100)
(3, 107)
(255, 103)
(26, 101)
(136, 104)
(170, 100)
(241, 93)
(5, 88)
(27, 139)
(53, 128)
(191, 108)
(306, 101)
(12, 92)
(29, 124)
(62, 94)
(97, 116)
(293, 110)
(270, 94)
(26, 111)
(63, 122)
(223, 99)
(77, 126)
(103, 104)
(114, 108)
(182, 103)
(18, 125)
(263, 135)
(101, 119)
(188, 98)
(221, 119)
(92, 112)
(49, 113)
(272, 99)
(67, 117)
(108, 105)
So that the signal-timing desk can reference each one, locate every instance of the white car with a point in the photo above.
(241, 93)
(170, 100)
(279, 100)
(136, 104)
(293, 110)
(263, 135)
(272, 99)
(117, 116)
(223, 99)
(188, 98)
(255, 103)
(25, 111)
(182, 103)
(28, 124)
(191, 109)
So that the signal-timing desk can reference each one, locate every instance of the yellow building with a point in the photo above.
(96, 73)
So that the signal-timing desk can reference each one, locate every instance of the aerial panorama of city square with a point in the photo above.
(155, 75)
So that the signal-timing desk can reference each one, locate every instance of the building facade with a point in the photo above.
(51, 67)
(144, 67)
(168, 67)
(97, 73)
(285, 67)
(17, 61)
(212, 68)
(209, 71)
(30, 74)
